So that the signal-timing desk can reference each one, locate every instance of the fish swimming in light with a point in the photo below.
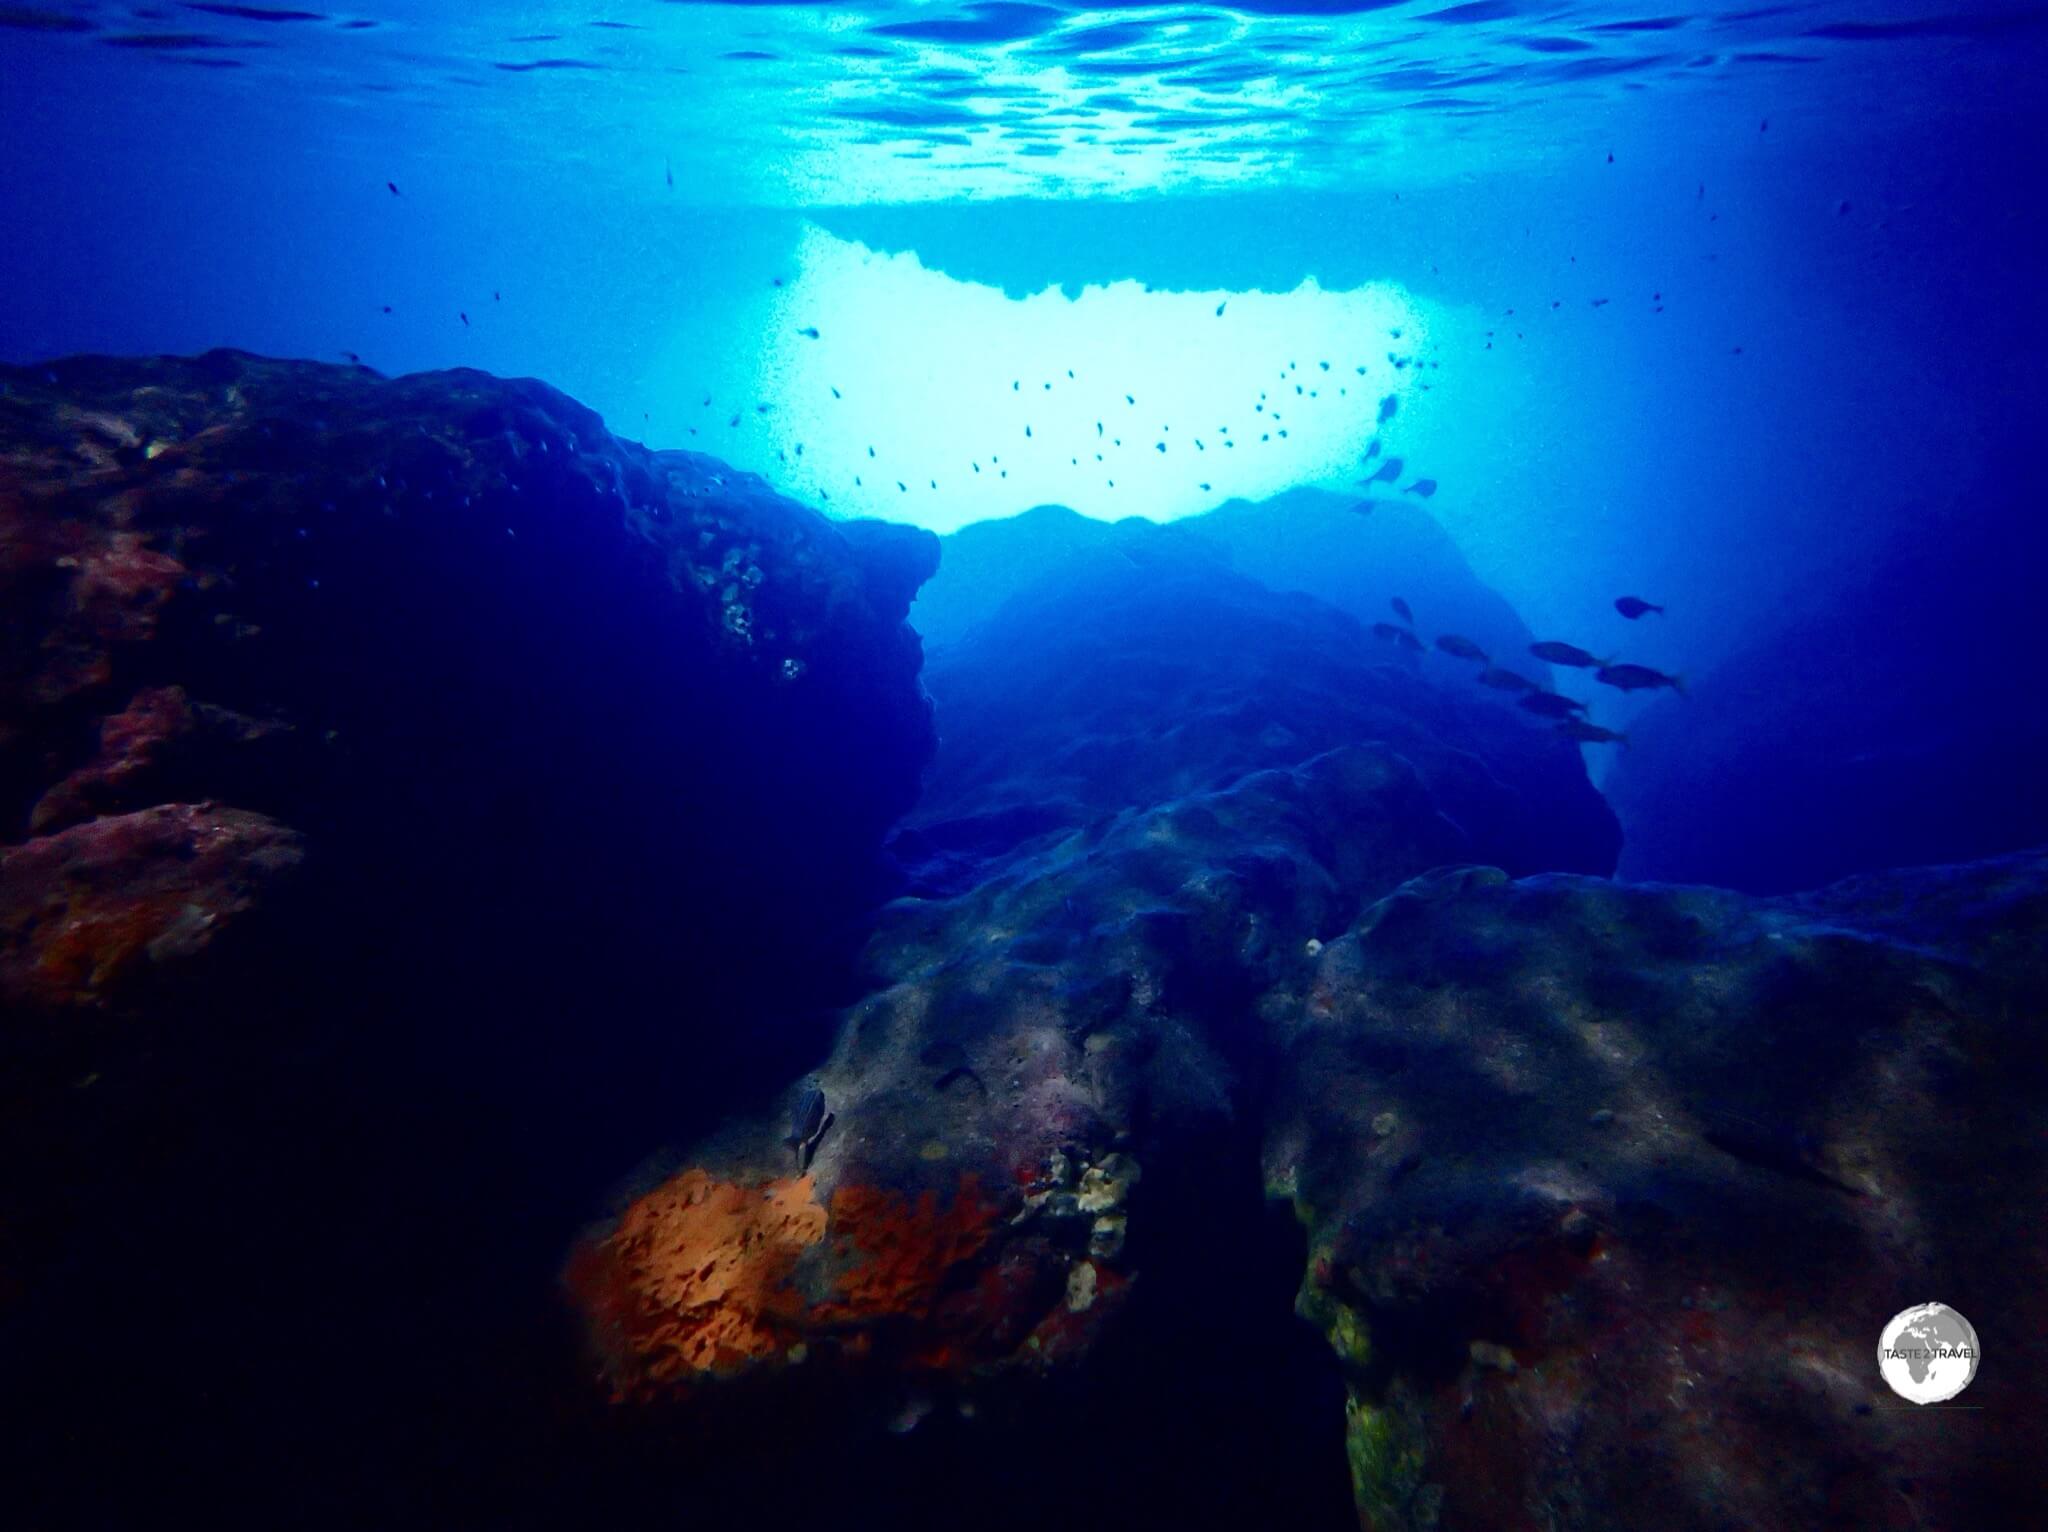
(1422, 487)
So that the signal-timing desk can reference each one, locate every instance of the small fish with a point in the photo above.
(1589, 733)
(1390, 631)
(1401, 611)
(1387, 472)
(464, 318)
(1566, 654)
(387, 308)
(1460, 648)
(495, 298)
(1505, 680)
(1422, 487)
(1551, 704)
(1205, 488)
(1636, 678)
(775, 281)
(353, 358)
(1407, 640)
(1372, 450)
(1364, 508)
(1388, 406)
(806, 1122)
(1601, 303)
(1221, 307)
(391, 187)
(1129, 400)
(668, 172)
(809, 332)
(1633, 607)
(835, 393)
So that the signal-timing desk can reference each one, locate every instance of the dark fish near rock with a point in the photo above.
(1637, 678)
(1401, 611)
(1461, 648)
(1388, 406)
(1551, 704)
(1387, 472)
(1372, 449)
(806, 1124)
(1505, 680)
(1589, 733)
(1566, 654)
(1422, 487)
(1633, 607)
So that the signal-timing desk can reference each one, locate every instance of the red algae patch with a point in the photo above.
(899, 1252)
(694, 1281)
(699, 1281)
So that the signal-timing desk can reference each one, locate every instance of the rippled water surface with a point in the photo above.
(796, 103)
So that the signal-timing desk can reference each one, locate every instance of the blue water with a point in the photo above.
(1738, 310)
(1811, 232)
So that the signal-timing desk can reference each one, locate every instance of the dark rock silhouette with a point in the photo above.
(1146, 667)
(414, 802)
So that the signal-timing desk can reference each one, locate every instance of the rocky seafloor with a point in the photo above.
(444, 843)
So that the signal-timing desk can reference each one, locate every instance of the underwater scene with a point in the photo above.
(1005, 764)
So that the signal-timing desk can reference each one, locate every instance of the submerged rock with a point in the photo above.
(1607, 1190)
(404, 785)
(1669, 1159)
(1048, 1064)
(1144, 668)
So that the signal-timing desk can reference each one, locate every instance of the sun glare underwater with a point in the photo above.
(993, 762)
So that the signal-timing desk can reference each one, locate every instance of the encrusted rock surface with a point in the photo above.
(1610, 1190)
(1050, 1054)
(334, 597)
